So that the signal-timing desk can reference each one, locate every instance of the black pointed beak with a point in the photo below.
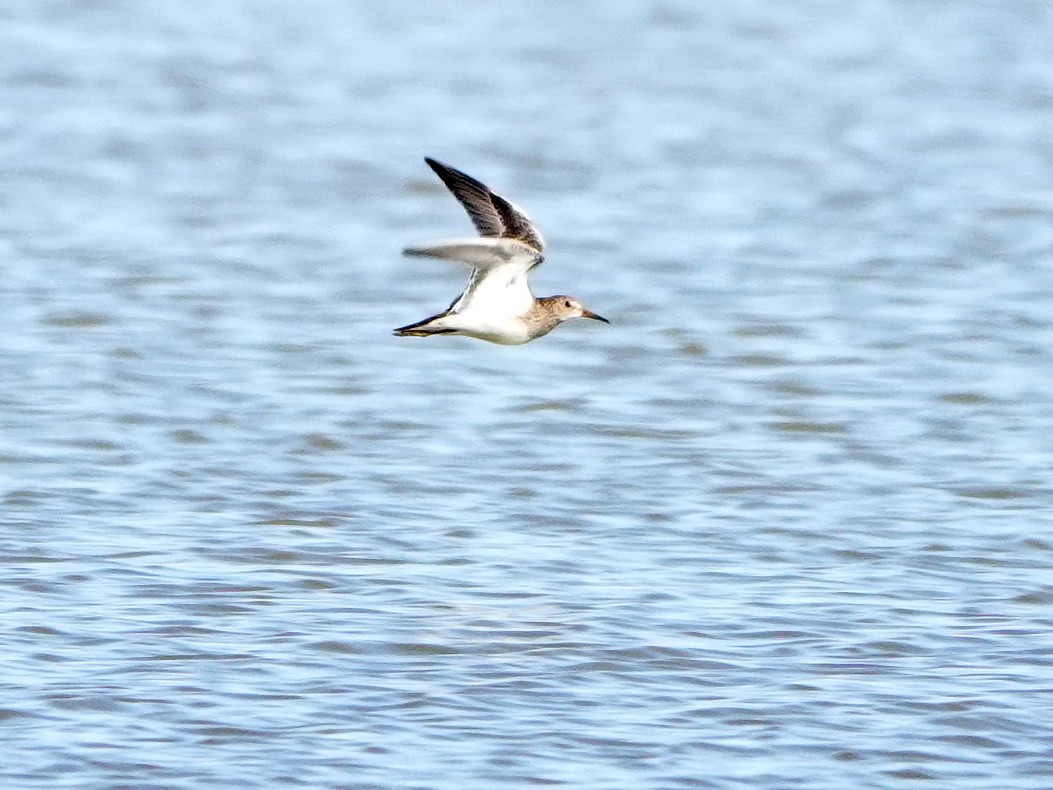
(593, 316)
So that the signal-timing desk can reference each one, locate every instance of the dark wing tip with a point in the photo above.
(475, 196)
(442, 170)
(454, 178)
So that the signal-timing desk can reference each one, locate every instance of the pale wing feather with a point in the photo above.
(480, 252)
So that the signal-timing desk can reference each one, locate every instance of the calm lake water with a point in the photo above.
(786, 523)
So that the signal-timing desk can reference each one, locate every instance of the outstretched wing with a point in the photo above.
(491, 214)
(481, 253)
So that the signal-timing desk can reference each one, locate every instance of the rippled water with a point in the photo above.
(784, 523)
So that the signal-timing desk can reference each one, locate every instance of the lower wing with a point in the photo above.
(481, 253)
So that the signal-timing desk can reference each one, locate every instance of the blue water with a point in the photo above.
(786, 523)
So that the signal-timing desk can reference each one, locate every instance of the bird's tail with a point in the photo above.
(422, 328)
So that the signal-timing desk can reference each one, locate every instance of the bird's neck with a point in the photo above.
(543, 316)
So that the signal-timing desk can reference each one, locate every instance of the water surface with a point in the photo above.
(784, 524)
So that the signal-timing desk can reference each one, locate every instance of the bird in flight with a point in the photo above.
(497, 304)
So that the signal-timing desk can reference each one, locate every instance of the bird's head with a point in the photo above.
(567, 307)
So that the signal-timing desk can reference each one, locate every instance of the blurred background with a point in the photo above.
(784, 523)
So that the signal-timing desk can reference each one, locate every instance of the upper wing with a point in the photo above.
(491, 214)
